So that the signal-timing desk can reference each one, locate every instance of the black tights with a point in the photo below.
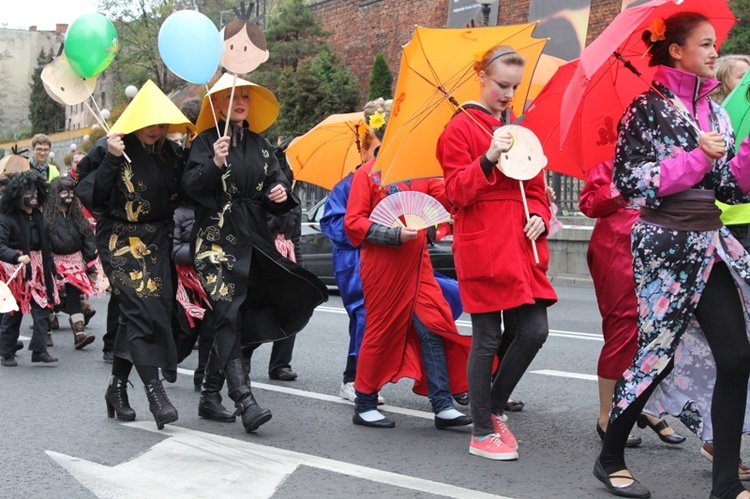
(720, 315)
(122, 367)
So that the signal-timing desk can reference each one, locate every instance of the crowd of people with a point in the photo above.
(199, 240)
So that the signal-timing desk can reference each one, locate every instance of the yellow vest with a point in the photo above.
(734, 214)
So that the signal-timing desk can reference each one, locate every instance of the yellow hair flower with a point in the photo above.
(376, 121)
(658, 30)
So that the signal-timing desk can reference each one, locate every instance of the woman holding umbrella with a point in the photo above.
(674, 157)
(497, 273)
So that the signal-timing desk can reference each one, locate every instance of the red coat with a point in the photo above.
(494, 259)
(611, 265)
(397, 283)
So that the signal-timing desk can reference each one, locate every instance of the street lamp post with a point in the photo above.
(486, 8)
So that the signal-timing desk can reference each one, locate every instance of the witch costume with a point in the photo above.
(256, 294)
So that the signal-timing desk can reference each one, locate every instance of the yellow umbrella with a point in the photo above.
(436, 75)
(329, 151)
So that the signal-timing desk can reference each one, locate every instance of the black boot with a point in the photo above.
(238, 384)
(117, 399)
(158, 403)
(210, 406)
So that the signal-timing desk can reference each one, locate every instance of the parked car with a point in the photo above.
(317, 249)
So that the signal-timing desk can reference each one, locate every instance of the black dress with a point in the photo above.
(134, 205)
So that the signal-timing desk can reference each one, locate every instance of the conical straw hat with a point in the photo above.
(150, 107)
(264, 107)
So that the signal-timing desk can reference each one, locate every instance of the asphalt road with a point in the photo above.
(58, 442)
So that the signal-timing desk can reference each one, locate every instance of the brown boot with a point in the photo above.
(81, 338)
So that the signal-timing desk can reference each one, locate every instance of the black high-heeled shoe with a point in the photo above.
(632, 441)
(673, 439)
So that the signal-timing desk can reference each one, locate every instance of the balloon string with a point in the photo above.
(99, 118)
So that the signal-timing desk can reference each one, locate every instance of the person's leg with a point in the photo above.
(531, 331)
(280, 364)
(38, 344)
(485, 343)
(113, 323)
(606, 391)
(435, 367)
(116, 395)
(240, 391)
(720, 315)
(9, 331)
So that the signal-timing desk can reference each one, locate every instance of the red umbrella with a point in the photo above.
(543, 118)
(602, 86)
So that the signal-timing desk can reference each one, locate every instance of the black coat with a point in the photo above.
(66, 239)
(20, 231)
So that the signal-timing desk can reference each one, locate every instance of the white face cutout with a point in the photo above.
(63, 85)
(245, 50)
(526, 158)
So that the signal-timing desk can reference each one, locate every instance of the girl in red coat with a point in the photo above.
(409, 331)
(492, 247)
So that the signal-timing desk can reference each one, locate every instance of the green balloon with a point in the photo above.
(91, 45)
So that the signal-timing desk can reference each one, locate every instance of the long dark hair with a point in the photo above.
(678, 28)
(52, 210)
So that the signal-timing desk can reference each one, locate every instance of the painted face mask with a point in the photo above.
(29, 200)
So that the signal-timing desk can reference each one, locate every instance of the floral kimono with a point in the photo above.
(672, 266)
(253, 289)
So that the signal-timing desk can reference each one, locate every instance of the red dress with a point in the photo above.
(397, 283)
(611, 265)
(494, 259)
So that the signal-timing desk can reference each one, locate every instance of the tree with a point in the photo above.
(138, 23)
(739, 38)
(381, 79)
(321, 86)
(46, 115)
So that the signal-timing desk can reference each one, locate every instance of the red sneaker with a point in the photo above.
(492, 447)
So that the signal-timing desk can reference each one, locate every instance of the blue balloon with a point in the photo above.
(190, 46)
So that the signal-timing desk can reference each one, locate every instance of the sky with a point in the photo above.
(44, 14)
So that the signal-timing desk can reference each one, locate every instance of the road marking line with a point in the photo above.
(565, 374)
(576, 335)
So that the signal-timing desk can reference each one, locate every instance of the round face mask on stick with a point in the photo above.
(63, 85)
(525, 158)
(244, 46)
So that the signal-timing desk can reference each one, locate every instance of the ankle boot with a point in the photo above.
(80, 337)
(116, 397)
(210, 406)
(159, 404)
(238, 384)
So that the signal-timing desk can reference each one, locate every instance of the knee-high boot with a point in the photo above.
(210, 406)
(159, 404)
(238, 384)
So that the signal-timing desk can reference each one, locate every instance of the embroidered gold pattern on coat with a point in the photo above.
(140, 280)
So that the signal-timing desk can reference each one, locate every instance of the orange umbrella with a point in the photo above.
(436, 75)
(329, 151)
(545, 69)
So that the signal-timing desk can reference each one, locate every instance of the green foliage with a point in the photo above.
(293, 34)
(321, 86)
(738, 41)
(381, 79)
(46, 115)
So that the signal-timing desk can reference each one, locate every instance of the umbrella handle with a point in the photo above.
(231, 101)
(528, 218)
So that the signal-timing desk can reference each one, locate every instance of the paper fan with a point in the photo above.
(419, 211)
